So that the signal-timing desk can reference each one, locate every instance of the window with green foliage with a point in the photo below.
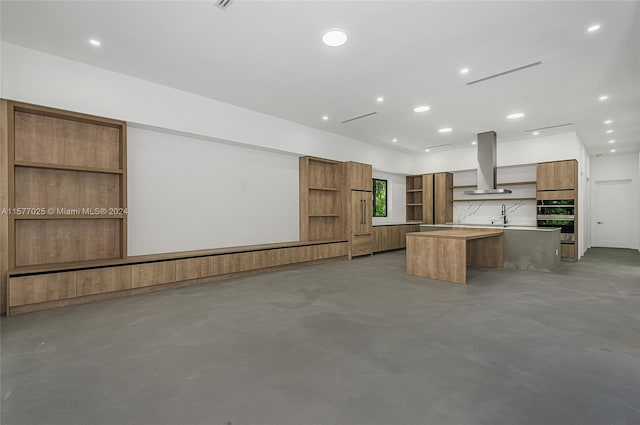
(379, 198)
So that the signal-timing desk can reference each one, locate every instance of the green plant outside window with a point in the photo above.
(379, 198)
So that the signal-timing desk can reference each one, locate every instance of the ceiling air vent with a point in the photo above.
(510, 71)
(223, 4)
(358, 117)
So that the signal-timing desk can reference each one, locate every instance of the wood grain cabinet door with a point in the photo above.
(565, 175)
(546, 176)
(360, 176)
(361, 223)
(443, 194)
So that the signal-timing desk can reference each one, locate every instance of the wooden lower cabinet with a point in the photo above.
(41, 288)
(391, 237)
(44, 290)
(361, 245)
(194, 268)
(100, 281)
(568, 251)
(153, 273)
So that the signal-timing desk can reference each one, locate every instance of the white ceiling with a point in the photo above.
(268, 56)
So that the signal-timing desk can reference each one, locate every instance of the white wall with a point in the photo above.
(529, 150)
(186, 193)
(40, 78)
(396, 198)
(622, 167)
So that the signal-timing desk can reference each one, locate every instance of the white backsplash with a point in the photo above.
(521, 213)
(473, 209)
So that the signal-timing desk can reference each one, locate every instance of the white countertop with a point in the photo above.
(399, 223)
(496, 226)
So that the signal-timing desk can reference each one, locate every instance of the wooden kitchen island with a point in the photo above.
(445, 254)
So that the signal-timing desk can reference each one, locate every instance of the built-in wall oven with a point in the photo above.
(558, 213)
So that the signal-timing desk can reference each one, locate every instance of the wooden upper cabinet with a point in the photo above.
(545, 176)
(558, 175)
(565, 175)
(359, 176)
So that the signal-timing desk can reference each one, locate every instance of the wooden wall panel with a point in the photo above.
(194, 268)
(42, 188)
(325, 228)
(325, 173)
(99, 281)
(4, 203)
(40, 288)
(443, 198)
(62, 241)
(40, 138)
(446, 259)
(153, 273)
(324, 202)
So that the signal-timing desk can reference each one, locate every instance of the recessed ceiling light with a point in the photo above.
(464, 71)
(515, 115)
(95, 42)
(325, 118)
(380, 99)
(608, 122)
(395, 140)
(612, 150)
(594, 27)
(423, 108)
(474, 142)
(334, 38)
(603, 97)
(427, 150)
(609, 131)
(611, 141)
(445, 130)
(535, 133)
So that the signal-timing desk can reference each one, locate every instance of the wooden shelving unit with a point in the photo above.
(322, 210)
(69, 170)
(429, 198)
(420, 198)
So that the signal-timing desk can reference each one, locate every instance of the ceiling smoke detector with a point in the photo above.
(223, 4)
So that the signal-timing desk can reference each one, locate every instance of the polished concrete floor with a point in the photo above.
(355, 342)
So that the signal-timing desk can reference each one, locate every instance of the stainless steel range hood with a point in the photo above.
(487, 166)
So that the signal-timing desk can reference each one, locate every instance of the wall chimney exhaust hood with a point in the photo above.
(487, 166)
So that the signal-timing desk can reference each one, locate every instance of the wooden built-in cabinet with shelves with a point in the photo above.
(430, 198)
(64, 200)
(322, 209)
(420, 198)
